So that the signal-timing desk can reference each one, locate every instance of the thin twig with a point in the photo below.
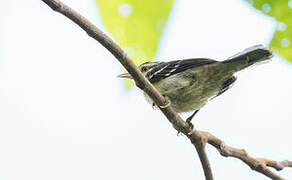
(198, 138)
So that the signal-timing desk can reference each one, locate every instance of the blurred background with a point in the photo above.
(65, 115)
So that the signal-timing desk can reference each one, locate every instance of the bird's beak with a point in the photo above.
(125, 75)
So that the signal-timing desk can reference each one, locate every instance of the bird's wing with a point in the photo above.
(225, 86)
(166, 69)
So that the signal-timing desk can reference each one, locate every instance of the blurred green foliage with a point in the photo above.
(135, 26)
(281, 10)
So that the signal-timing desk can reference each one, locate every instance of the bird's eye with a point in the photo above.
(143, 69)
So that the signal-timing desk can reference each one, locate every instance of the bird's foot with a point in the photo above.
(188, 121)
(167, 103)
(191, 128)
(179, 133)
(154, 106)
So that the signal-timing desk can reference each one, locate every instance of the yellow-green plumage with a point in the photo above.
(190, 89)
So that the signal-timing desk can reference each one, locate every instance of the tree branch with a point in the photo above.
(198, 138)
(201, 150)
(258, 164)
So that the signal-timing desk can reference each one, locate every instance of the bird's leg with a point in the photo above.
(189, 119)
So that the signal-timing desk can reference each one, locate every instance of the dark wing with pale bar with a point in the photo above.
(166, 69)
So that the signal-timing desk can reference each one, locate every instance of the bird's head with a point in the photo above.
(144, 68)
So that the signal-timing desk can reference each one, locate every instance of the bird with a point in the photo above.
(189, 84)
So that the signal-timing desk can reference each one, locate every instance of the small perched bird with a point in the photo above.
(188, 84)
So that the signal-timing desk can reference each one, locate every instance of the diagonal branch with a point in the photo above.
(198, 138)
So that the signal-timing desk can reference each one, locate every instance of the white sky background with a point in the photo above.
(65, 115)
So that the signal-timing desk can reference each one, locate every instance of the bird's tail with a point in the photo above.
(248, 57)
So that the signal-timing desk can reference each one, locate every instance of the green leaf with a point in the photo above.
(135, 25)
(281, 10)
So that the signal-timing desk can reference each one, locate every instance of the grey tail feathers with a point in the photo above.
(248, 57)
